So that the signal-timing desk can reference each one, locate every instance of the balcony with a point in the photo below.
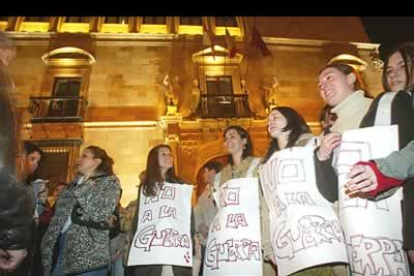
(57, 109)
(225, 106)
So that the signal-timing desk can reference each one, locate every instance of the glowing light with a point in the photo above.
(221, 57)
(114, 28)
(3, 25)
(153, 29)
(85, 57)
(75, 27)
(34, 26)
(121, 124)
(234, 31)
(356, 62)
(188, 29)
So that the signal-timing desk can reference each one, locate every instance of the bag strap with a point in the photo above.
(76, 218)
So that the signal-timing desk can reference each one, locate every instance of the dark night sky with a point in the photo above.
(389, 31)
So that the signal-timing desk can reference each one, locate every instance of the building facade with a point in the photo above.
(129, 83)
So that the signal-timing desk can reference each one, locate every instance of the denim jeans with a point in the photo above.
(99, 272)
(57, 271)
(117, 267)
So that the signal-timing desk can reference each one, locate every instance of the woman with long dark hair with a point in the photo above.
(160, 169)
(242, 164)
(398, 77)
(287, 129)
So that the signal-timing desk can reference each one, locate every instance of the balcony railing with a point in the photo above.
(225, 106)
(57, 109)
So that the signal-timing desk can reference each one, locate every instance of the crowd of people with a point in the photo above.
(80, 228)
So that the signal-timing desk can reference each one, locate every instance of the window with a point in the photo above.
(219, 101)
(35, 24)
(58, 160)
(66, 87)
(190, 25)
(3, 22)
(115, 24)
(77, 19)
(191, 20)
(65, 97)
(154, 25)
(37, 19)
(226, 21)
(75, 24)
(155, 20)
(219, 85)
(116, 20)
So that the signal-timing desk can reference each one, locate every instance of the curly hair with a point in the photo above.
(107, 163)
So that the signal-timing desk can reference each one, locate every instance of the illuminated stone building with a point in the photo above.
(130, 83)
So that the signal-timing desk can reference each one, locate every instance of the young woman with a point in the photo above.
(288, 129)
(340, 87)
(397, 76)
(400, 113)
(375, 177)
(80, 229)
(160, 169)
(242, 164)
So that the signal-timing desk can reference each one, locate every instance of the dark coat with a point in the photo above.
(16, 213)
(16, 200)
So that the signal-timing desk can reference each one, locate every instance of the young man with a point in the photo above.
(205, 210)
(16, 212)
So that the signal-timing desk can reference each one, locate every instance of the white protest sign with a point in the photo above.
(163, 233)
(373, 229)
(304, 229)
(234, 240)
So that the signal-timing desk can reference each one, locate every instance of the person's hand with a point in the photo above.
(362, 179)
(123, 212)
(112, 221)
(10, 259)
(328, 143)
(203, 230)
(411, 255)
(271, 258)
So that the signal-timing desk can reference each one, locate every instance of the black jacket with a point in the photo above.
(16, 213)
(16, 203)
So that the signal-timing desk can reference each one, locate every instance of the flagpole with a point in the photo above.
(204, 74)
